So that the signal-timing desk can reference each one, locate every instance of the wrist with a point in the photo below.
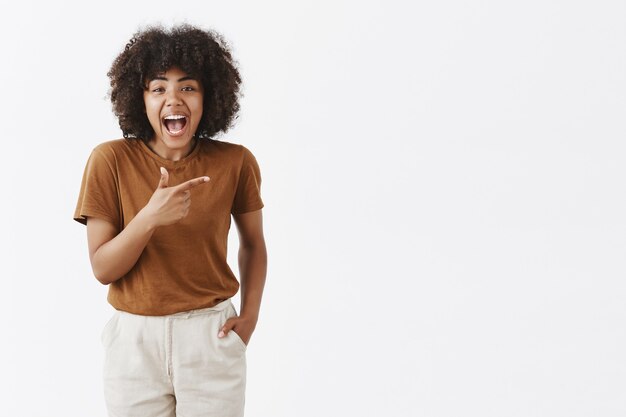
(146, 219)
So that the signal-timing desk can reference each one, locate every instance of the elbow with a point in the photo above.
(103, 281)
(101, 275)
(253, 250)
(253, 253)
(253, 245)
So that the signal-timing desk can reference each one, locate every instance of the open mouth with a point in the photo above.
(175, 124)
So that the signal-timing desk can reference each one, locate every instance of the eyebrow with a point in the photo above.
(185, 78)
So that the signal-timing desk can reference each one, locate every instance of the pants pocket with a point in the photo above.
(239, 339)
(231, 312)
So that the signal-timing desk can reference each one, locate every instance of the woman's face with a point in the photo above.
(173, 103)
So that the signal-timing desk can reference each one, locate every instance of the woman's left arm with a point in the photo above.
(252, 271)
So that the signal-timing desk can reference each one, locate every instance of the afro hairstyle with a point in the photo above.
(203, 54)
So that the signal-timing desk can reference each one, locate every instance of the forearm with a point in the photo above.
(253, 270)
(116, 257)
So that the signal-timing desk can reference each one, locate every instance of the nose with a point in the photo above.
(173, 98)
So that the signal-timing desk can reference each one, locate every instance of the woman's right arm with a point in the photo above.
(113, 254)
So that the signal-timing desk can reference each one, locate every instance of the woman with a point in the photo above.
(157, 205)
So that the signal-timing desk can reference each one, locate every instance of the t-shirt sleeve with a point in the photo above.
(98, 196)
(248, 194)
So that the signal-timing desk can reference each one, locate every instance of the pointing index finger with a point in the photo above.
(188, 185)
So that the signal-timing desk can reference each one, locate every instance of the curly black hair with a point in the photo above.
(203, 54)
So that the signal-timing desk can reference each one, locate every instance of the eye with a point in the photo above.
(188, 88)
(157, 90)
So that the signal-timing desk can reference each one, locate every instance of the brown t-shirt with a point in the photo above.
(183, 266)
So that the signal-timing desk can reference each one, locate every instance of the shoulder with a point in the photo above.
(114, 150)
(234, 151)
(111, 147)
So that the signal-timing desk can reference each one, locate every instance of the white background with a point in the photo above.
(444, 203)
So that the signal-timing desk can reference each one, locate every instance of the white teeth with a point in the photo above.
(174, 117)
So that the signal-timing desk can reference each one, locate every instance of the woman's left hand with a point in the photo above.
(242, 325)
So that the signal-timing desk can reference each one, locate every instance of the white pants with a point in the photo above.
(174, 365)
